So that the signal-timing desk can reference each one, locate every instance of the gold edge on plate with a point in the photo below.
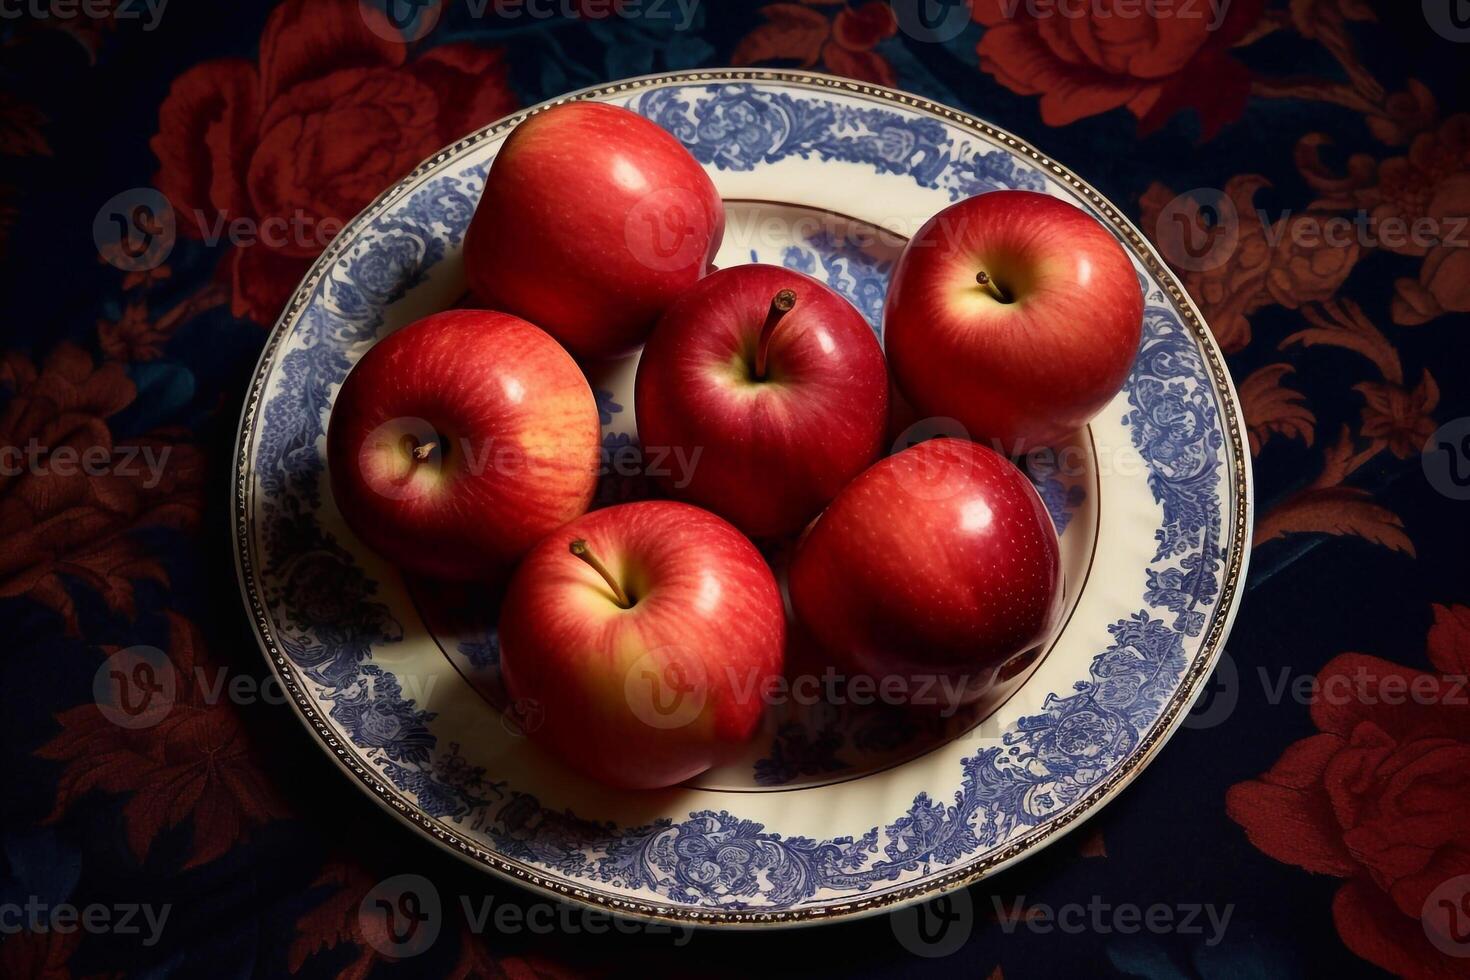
(1172, 716)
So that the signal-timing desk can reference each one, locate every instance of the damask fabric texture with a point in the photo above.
(1304, 167)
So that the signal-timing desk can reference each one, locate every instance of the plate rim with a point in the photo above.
(1240, 523)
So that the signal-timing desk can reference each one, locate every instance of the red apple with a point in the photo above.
(644, 634)
(461, 440)
(1017, 314)
(938, 566)
(592, 221)
(761, 411)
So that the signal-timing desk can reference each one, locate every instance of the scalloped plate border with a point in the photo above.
(1172, 716)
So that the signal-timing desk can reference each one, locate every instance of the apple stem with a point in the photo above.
(780, 306)
(983, 278)
(421, 453)
(580, 549)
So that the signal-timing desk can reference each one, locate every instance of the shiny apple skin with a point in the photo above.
(593, 220)
(938, 562)
(705, 605)
(1022, 374)
(522, 432)
(772, 453)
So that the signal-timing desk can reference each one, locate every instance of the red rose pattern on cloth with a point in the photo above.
(1083, 60)
(329, 116)
(1380, 798)
(841, 43)
(63, 526)
(194, 764)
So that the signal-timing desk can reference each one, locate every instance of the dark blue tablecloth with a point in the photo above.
(1287, 830)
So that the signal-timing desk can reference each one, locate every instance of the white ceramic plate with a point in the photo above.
(836, 810)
